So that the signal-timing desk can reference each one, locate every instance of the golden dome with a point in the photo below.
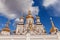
(53, 29)
(29, 15)
(6, 28)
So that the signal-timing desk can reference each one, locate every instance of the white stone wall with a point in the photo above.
(19, 28)
(32, 37)
(58, 34)
(5, 33)
(40, 28)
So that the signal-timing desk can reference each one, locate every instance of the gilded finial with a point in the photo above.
(29, 12)
(51, 19)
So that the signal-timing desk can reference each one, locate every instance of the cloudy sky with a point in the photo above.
(13, 9)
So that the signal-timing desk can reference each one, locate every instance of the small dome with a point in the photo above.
(53, 29)
(6, 29)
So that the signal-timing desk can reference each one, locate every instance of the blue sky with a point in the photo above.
(44, 13)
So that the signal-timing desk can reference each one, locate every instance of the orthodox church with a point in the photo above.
(30, 30)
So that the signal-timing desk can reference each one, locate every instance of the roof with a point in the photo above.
(6, 29)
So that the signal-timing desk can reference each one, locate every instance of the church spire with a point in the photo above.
(53, 30)
(52, 22)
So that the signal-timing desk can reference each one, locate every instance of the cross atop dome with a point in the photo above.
(51, 19)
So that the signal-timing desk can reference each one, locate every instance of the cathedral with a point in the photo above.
(29, 30)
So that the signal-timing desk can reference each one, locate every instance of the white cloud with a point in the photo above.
(5, 11)
(47, 3)
(16, 8)
(55, 5)
(17, 20)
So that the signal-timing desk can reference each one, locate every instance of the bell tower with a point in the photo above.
(20, 26)
(39, 27)
(38, 20)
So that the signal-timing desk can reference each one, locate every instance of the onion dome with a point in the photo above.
(6, 28)
(29, 15)
(53, 29)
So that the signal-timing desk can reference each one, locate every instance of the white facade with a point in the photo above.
(29, 37)
(30, 30)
